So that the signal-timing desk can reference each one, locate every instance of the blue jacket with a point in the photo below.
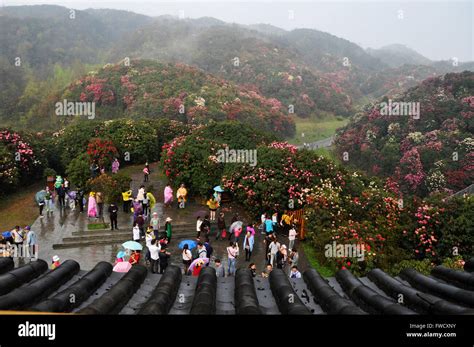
(268, 226)
(251, 242)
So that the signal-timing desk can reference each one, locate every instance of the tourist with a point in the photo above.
(209, 250)
(267, 240)
(293, 257)
(154, 250)
(113, 210)
(40, 201)
(99, 199)
(115, 166)
(141, 224)
(136, 232)
(80, 199)
(141, 195)
(134, 258)
(48, 200)
(295, 272)
(197, 268)
(248, 245)
(263, 218)
(205, 229)
(187, 258)
(251, 229)
(66, 184)
(220, 271)
(281, 257)
(55, 262)
(151, 199)
(292, 237)
(273, 248)
(92, 206)
(17, 236)
(201, 250)
(198, 226)
(168, 194)
(168, 229)
(146, 173)
(164, 257)
(94, 169)
(181, 195)
(155, 224)
(61, 196)
(232, 253)
(286, 223)
(146, 205)
(149, 237)
(253, 269)
(127, 199)
(268, 226)
(31, 241)
(213, 206)
(137, 209)
(267, 271)
(221, 227)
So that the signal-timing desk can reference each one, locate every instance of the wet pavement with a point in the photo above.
(69, 225)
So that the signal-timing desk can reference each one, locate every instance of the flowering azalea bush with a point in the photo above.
(369, 220)
(427, 155)
(101, 151)
(18, 161)
(192, 159)
(148, 89)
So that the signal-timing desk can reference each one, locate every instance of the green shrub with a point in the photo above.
(424, 266)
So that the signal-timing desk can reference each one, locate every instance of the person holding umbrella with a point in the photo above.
(134, 257)
(40, 200)
(218, 194)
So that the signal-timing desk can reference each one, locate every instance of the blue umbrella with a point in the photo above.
(191, 244)
(132, 245)
(39, 196)
(120, 254)
(218, 189)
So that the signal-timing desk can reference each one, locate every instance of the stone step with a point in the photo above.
(128, 230)
(119, 236)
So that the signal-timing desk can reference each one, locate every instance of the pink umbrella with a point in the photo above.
(193, 264)
(123, 266)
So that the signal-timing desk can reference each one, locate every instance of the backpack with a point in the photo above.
(209, 249)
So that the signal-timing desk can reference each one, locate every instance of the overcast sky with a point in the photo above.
(436, 29)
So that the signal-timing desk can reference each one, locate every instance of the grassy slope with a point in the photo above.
(310, 254)
(316, 129)
(19, 208)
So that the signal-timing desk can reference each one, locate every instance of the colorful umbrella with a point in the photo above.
(191, 244)
(236, 225)
(218, 189)
(123, 266)
(133, 245)
(193, 264)
(121, 254)
(39, 197)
